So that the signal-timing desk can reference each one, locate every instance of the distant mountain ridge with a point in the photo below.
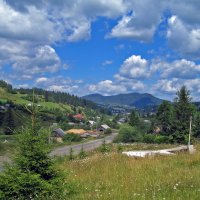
(132, 99)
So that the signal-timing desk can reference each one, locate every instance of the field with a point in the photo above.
(117, 177)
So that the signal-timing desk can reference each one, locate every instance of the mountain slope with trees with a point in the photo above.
(133, 99)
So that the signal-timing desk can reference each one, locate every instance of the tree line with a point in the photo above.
(170, 124)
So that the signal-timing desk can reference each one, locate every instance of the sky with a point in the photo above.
(99, 46)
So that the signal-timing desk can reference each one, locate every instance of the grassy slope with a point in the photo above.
(16, 98)
(114, 176)
(7, 148)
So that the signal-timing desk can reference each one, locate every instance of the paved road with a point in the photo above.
(61, 151)
(86, 146)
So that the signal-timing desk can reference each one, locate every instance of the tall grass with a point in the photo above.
(117, 177)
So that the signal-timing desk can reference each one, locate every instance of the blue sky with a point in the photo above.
(99, 46)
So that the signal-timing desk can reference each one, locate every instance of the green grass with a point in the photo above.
(17, 99)
(8, 147)
(116, 176)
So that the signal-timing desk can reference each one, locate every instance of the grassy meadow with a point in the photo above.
(115, 176)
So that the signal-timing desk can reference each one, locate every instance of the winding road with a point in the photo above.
(62, 151)
(88, 146)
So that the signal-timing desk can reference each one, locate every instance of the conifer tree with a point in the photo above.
(165, 117)
(183, 110)
(33, 174)
(134, 118)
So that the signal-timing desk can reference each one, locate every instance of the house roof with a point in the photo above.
(76, 131)
(78, 116)
(59, 132)
(91, 122)
(105, 126)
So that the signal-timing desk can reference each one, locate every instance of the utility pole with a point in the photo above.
(190, 132)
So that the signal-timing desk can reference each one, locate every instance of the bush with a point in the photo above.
(71, 137)
(65, 126)
(108, 131)
(104, 147)
(149, 138)
(158, 139)
(82, 154)
(128, 134)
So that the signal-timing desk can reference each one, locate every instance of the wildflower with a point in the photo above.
(174, 187)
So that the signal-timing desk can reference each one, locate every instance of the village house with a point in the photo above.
(58, 134)
(78, 117)
(2, 108)
(103, 128)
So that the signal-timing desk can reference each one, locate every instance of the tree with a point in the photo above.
(46, 96)
(128, 133)
(33, 175)
(134, 118)
(183, 110)
(165, 117)
(196, 129)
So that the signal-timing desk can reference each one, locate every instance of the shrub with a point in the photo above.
(119, 148)
(149, 138)
(104, 148)
(108, 131)
(158, 139)
(82, 153)
(71, 156)
(71, 137)
(128, 134)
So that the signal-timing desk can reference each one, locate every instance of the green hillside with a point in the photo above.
(54, 107)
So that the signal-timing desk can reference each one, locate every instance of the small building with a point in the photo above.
(103, 128)
(147, 121)
(71, 123)
(91, 123)
(157, 130)
(58, 134)
(2, 108)
(78, 117)
(122, 120)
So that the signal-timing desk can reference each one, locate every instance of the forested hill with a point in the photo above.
(57, 97)
(47, 96)
(132, 99)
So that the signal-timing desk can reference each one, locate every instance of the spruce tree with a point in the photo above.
(33, 174)
(165, 117)
(134, 118)
(183, 110)
(46, 96)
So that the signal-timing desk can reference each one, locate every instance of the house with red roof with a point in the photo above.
(78, 117)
